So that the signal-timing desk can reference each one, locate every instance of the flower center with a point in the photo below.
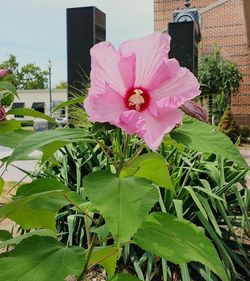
(137, 99)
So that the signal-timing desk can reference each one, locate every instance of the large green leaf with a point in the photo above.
(9, 125)
(41, 259)
(49, 149)
(8, 87)
(203, 137)
(179, 241)
(36, 204)
(69, 102)
(30, 112)
(18, 239)
(123, 277)
(40, 139)
(150, 166)
(122, 202)
(12, 138)
(106, 257)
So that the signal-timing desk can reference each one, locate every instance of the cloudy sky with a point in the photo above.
(35, 30)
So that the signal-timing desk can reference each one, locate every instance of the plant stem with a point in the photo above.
(80, 209)
(90, 250)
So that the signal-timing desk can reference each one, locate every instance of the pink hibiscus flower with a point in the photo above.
(138, 88)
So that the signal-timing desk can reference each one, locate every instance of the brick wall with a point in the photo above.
(224, 26)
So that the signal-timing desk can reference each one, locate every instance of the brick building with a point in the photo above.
(226, 23)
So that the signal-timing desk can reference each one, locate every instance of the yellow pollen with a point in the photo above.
(136, 99)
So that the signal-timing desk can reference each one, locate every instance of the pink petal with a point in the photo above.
(149, 51)
(106, 107)
(182, 84)
(154, 129)
(166, 70)
(131, 121)
(104, 68)
(127, 70)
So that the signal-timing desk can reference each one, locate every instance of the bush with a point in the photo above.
(228, 125)
(244, 132)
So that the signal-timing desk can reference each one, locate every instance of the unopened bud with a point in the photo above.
(3, 72)
(195, 110)
(2, 113)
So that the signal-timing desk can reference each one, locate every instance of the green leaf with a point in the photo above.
(4, 235)
(1, 185)
(40, 185)
(41, 259)
(6, 98)
(10, 88)
(122, 202)
(69, 102)
(12, 138)
(106, 257)
(123, 277)
(179, 241)
(19, 239)
(203, 137)
(36, 204)
(9, 125)
(40, 139)
(151, 166)
(30, 112)
(51, 148)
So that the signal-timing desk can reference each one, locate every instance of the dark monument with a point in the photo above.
(186, 34)
(86, 26)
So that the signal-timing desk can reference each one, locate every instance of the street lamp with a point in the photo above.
(50, 92)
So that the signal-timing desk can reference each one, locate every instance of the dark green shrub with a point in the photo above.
(244, 132)
(228, 125)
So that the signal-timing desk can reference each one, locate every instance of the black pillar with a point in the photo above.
(184, 44)
(86, 26)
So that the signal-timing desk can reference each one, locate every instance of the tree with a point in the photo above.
(32, 77)
(61, 85)
(13, 73)
(29, 76)
(219, 79)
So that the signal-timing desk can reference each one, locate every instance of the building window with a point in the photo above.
(17, 105)
(38, 106)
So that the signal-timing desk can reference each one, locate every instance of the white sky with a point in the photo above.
(35, 30)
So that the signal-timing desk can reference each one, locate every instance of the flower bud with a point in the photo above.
(3, 72)
(195, 110)
(2, 113)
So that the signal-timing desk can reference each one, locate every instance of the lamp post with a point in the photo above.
(50, 92)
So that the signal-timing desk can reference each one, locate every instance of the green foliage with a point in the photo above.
(40, 258)
(29, 76)
(31, 113)
(62, 85)
(177, 240)
(96, 193)
(123, 277)
(150, 166)
(40, 201)
(219, 79)
(123, 202)
(244, 133)
(106, 257)
(229, 126)
(218, 75)
(202, 137)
